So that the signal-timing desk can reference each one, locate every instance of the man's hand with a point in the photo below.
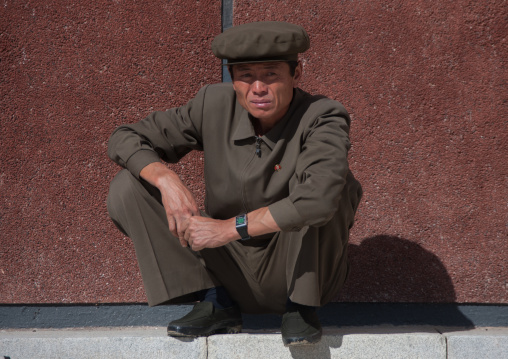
(185, 221)
(178, 201)
(203, 232)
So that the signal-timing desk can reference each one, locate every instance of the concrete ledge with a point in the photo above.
(484, 343)
(98, 343)
(350, 342)
(376, 343)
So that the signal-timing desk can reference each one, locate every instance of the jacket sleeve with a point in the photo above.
(167, 135)
(320, 174)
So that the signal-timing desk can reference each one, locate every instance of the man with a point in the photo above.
(280, 198)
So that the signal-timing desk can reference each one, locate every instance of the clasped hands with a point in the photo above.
(184, 219)
(186, 223)
(199, 232)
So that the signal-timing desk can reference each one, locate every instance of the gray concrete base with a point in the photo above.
(349, 342)
(376, 343)
(98, 343)
(485, 343)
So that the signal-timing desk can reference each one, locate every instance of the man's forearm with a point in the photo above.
(261, 222)
(155, 172)
(204, 232)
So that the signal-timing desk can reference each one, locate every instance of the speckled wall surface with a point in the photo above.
(424, 82)
(71, 72)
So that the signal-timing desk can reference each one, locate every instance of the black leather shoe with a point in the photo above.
(204, 320)
(301, 326)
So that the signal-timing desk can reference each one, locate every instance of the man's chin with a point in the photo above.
(260, 114)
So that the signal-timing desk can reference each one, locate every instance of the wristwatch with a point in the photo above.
(241, 226)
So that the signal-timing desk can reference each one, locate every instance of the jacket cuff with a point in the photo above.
(140, 160)
(286, 216)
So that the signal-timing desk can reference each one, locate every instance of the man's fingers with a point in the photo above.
(181, 228)
(179, 203)
(183, 242)
(181, 238)
(172, 226)
(186, 236)
(195, 211)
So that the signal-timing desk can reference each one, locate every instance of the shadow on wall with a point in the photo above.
(395, 281)
(399, 276)
(392, 269)
(392, 281)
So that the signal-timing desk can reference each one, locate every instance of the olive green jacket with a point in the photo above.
(299, 170)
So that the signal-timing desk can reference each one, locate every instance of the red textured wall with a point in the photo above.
(424, 82)
(71, 72)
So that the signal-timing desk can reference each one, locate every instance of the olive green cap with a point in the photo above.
(264, 41)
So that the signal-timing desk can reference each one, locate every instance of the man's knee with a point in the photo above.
(120, 189)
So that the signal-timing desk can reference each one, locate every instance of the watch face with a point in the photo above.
(240, 221)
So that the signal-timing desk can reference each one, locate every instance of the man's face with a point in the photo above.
(265, 89)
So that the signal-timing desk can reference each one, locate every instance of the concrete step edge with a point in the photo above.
(349, 342)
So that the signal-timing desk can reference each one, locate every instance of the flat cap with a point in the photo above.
(261, 42)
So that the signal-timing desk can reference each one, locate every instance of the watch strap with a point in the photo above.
(241, 226)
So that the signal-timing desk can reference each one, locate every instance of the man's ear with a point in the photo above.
(230, 69)
(298, 74)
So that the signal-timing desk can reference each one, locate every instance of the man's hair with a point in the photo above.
(292, 68)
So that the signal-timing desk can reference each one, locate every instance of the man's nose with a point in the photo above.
(259, 87)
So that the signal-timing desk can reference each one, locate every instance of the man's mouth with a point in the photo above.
(261, 103)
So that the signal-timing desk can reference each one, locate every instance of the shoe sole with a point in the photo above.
(200, 332)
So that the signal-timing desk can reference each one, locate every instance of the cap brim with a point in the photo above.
(256, 61)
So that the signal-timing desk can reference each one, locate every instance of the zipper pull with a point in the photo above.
(258, 146)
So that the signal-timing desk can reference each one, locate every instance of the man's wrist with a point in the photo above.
(229, 230)
(158, 174)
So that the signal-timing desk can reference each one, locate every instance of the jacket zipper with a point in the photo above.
(258, 146)
(242, 178)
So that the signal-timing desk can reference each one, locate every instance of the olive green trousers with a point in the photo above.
(309, 266)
